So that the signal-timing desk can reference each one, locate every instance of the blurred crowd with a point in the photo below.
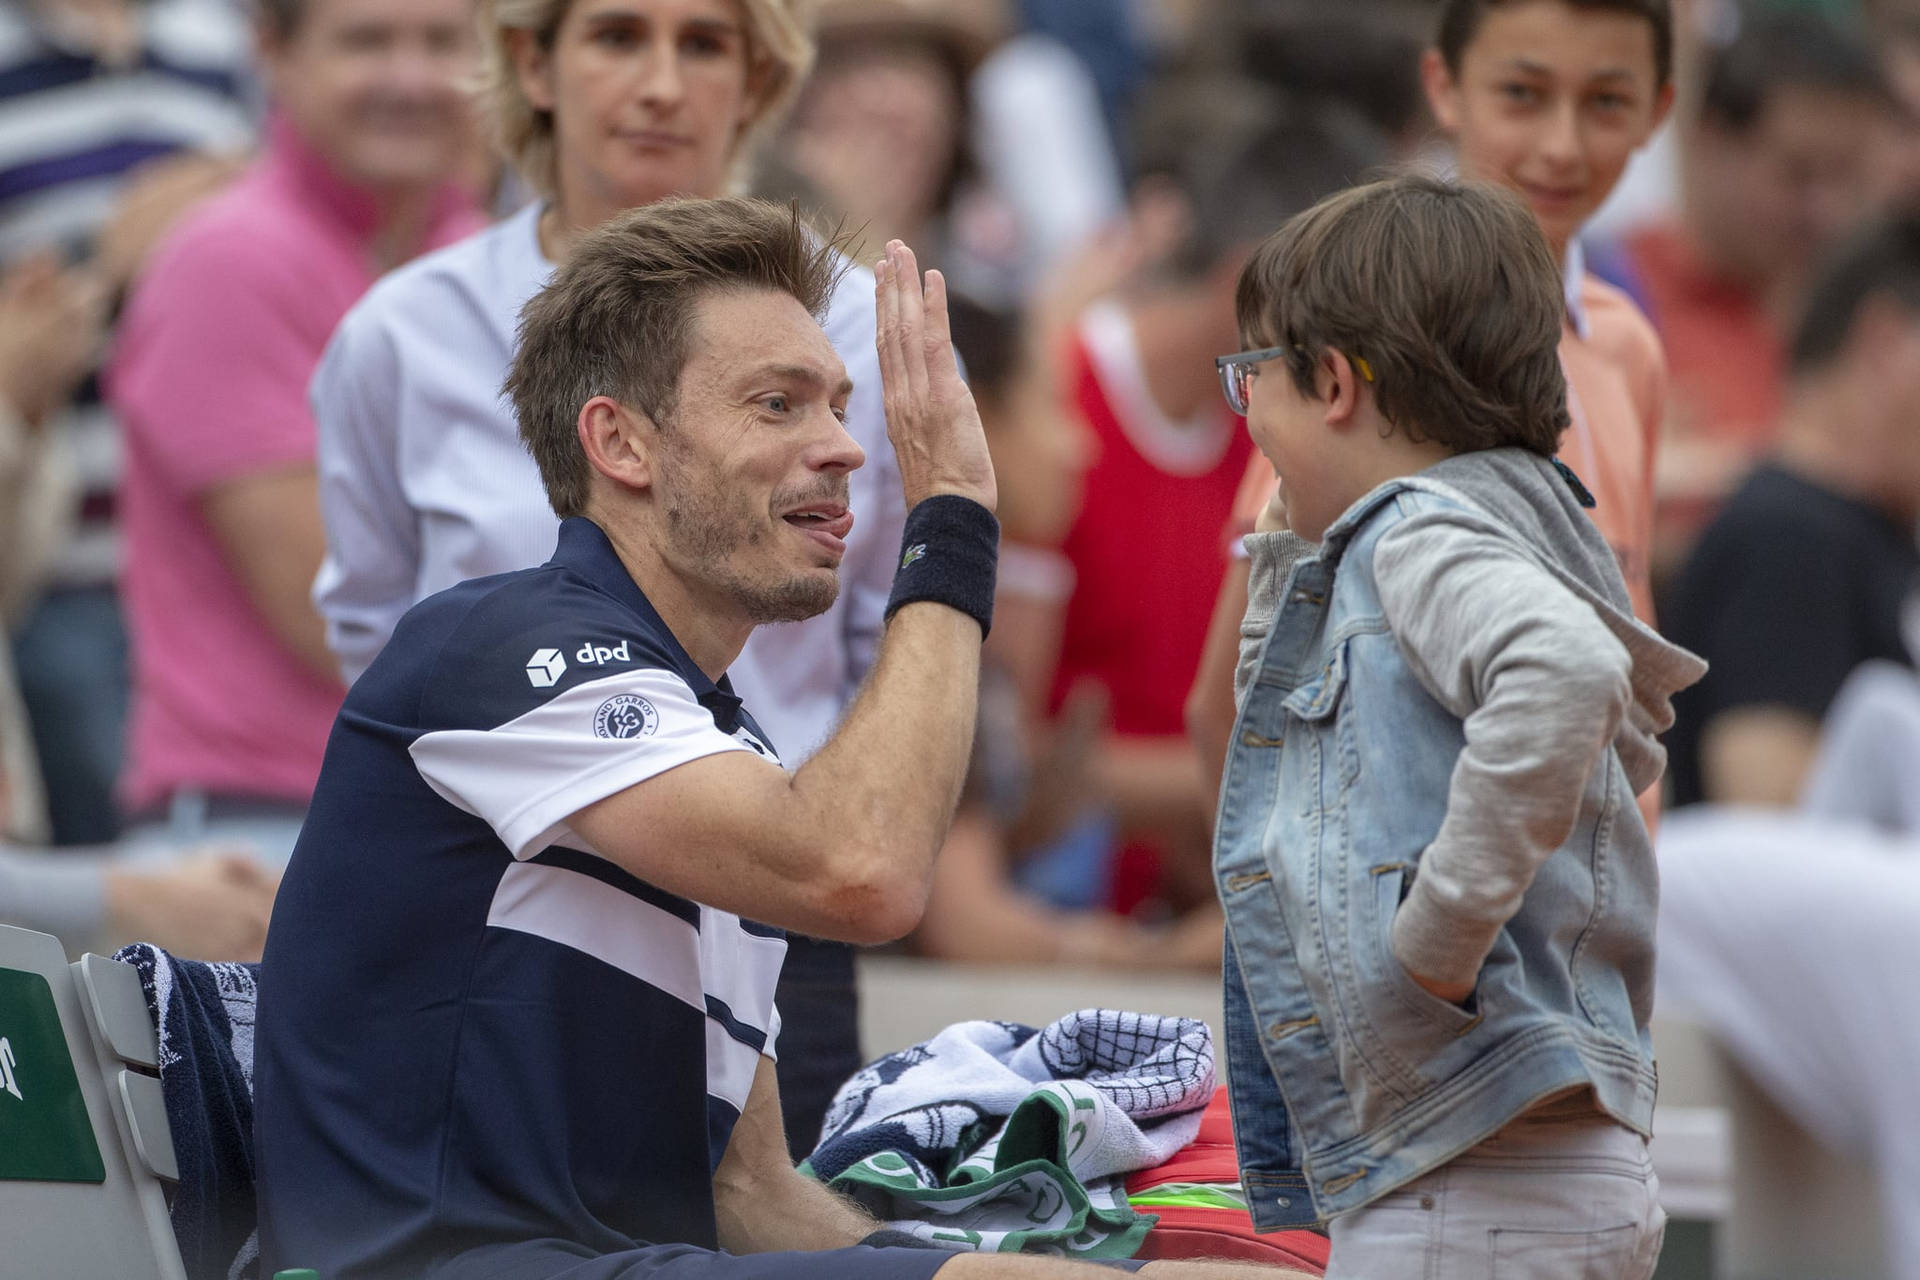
(193, 193)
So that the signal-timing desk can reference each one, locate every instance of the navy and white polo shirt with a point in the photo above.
(474, 1029)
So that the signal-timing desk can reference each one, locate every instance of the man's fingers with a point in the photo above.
(939, 333)
(913, 320)
(886, 292)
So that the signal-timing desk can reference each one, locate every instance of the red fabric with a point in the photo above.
(1224, 1234)
(1192, 1232)
(1210, 1157)
(1146, 558)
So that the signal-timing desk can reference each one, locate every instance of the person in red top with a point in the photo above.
(1145, 549)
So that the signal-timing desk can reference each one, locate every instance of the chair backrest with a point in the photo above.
(84, 1142)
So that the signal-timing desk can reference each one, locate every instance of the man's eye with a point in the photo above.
(777, 404)
(840, 414)
(1520, 94)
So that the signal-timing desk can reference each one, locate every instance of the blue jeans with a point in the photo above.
(71, 656)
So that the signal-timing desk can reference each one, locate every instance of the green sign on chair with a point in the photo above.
(44, 1132)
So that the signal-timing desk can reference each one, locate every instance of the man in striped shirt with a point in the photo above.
(92, 91)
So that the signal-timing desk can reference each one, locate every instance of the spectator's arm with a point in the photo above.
(372, 564)
(210, 378)
(1153, 785)
(976, 915)
(63, 895)
(268, 527)
(1211, 708)
(1758, 755)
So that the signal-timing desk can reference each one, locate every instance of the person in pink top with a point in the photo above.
(234, 689)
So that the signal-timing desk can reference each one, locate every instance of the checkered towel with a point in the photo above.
(995, 1137)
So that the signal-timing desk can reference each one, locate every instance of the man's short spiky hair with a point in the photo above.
(616, 317)
(1460, 22)
(1446, 291)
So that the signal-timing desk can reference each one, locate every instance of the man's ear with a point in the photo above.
(620, 442)
(1443, 97)
(533, 66)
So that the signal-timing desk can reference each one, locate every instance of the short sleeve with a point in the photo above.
(211, 372)
(1773, 611)
(524, 778)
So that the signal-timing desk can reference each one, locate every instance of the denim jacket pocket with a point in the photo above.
(1451, 1021)
(1321, 702)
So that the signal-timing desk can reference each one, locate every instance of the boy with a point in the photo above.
(1549, 98)
(1439, 892)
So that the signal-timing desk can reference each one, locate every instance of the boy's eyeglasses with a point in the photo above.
(1236, 371)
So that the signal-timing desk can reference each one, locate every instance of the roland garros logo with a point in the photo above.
(625, 715)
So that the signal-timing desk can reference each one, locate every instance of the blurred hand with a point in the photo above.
(152, 201)
(1195, 940)
(931, 418)
(211, 906)
(1156, 222)
(1064, 782)
(1273, 516)
(51, 324)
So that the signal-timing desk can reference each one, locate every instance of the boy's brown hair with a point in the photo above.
(1460, 23)
(1445, 290)
(616, 317)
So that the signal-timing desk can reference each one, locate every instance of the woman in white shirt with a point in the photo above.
(602, 105)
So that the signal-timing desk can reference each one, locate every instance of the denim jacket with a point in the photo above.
(1348, 1079)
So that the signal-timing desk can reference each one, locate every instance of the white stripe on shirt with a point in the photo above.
(661, 950)
(527, 776)
(79, 117)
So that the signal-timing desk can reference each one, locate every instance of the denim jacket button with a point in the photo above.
(1283, 1201)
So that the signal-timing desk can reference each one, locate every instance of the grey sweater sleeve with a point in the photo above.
(1540, 685)
(62, 894)
(1271, 557)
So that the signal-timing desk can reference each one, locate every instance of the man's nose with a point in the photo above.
(839, 451)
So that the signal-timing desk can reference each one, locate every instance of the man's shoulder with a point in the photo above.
(492, 649)
(480, 281)
(241, 236)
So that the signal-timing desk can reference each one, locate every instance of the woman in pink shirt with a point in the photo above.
(234, 690)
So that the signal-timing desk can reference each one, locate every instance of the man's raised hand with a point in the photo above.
(931, 418)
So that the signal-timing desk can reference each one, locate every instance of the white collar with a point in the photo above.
(1572, 280)
(1190, 448)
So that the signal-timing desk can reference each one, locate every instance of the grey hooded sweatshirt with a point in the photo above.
(1512, 613)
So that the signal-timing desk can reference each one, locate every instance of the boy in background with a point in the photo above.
(1549, 98)
(1439, 893)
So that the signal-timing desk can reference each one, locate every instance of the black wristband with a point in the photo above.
(948, 554)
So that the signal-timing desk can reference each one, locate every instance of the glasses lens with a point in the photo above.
(1230, 387)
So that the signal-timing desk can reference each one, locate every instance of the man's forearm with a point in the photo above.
(887, 782)
(788, 1210)
(761, 1203)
